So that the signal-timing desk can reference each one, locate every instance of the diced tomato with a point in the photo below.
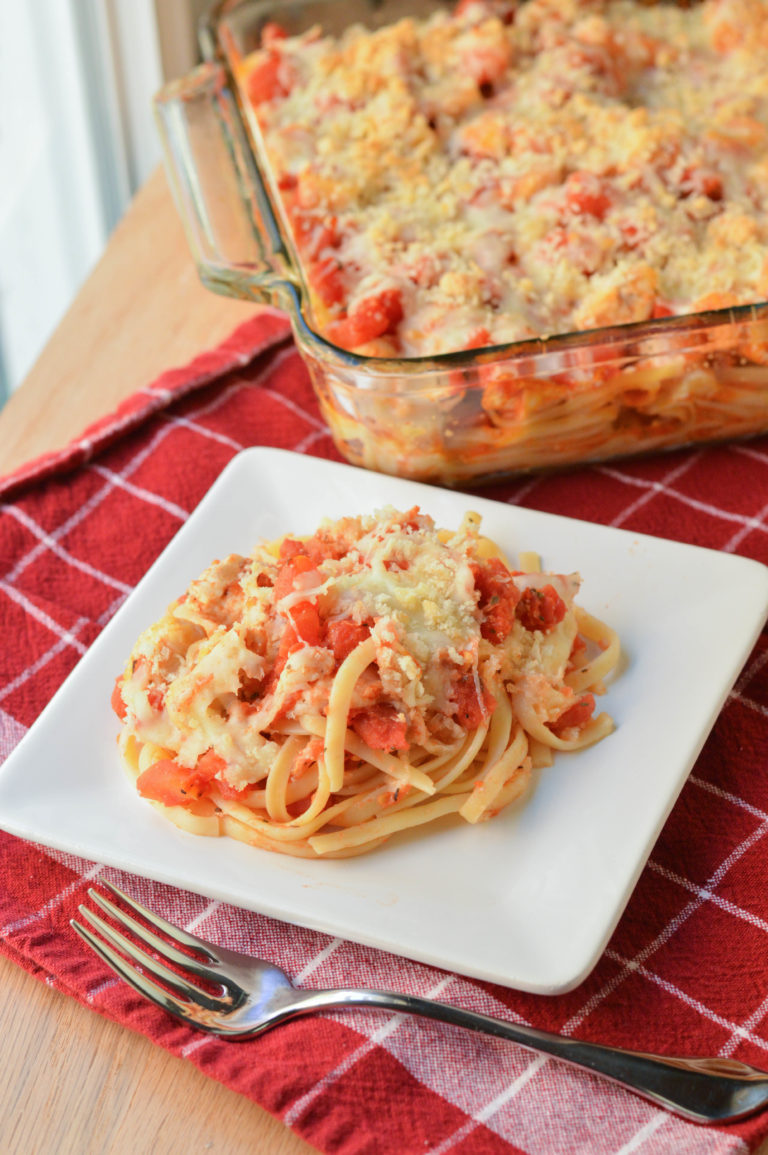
(540, 609)
(498, 621)
(210, 764)
(576, 716)
(271, 32)
(410, 519)
(498, 597)
(314, 234)
(631, 234)
(305, 620)
(585, 193)
(381, 727)
(661, 310)
(478, 340)
(326, 278)
(344, 636)
(290, 548)
(265, 81)
(315, 548)
(116, 701)
(296, 565)
(370, 318)
(473, 702)
(156, 698)
(173, 785)
(701, 182)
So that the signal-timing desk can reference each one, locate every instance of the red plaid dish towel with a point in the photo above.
(687, 968)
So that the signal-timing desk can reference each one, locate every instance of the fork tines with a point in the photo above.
(135, 965)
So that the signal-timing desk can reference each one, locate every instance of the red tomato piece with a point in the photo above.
(540, 609)
(381, 727)
(327, 280)
(288, 643)
(173, 785)
(314, 234)
(585, 193)
(701, 182)
(473, 702)
(156, 698)
(296, 565)
(344, 636)
(231, 792)
(478, 340)
(209, 765)
(265, 81)
(290, 548)
(316, 548)
(116, 701)
(370, 318)
(498, 598)
(305, 620)
(271, 32)
(575, 717)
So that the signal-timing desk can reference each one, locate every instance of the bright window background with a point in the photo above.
(77, 139)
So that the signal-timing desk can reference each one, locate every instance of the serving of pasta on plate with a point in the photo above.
(327, 692)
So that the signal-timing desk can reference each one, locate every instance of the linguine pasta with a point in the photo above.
(325, 693)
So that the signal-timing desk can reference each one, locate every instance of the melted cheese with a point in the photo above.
(416, 587)
(575, 165)
(213, 673)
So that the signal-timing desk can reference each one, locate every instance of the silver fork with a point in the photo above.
(252, 996)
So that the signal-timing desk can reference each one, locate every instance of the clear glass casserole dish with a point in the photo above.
(454, 418)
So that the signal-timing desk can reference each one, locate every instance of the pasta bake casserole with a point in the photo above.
(325, 693)
(508, 235)
(506, 171)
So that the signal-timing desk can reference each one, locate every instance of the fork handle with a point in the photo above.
(705, 1090)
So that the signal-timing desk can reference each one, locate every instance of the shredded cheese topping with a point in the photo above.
(313, 696)
(510, 170)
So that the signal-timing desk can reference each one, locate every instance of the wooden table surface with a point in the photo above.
(73, 1081)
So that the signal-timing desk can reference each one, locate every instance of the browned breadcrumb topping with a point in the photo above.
(508, 170)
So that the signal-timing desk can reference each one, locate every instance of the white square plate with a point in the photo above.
(528, 899)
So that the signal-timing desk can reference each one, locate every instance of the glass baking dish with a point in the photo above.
(456, 418)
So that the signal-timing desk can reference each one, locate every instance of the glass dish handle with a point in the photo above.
(228, 219)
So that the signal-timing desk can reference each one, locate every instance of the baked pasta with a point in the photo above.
(507, 170)
(325, 693)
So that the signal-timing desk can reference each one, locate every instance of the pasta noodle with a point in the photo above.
(325, 693)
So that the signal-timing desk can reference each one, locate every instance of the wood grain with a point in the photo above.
(74, 1082)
